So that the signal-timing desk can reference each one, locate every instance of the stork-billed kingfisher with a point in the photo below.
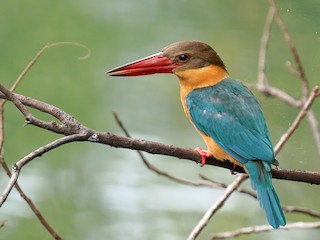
(223, 111)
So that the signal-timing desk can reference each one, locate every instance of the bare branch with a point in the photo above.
(306, 211)
(158, 171)
(275, 92)
(36, 153)
(288, 39)
(27, 115)
(304, 111)
(216, 206)
(314, 124)
(37, 56)
(10, 96)
(262, 79)
(263, 228)
(32, 206)
(223, 185)
(70, 126)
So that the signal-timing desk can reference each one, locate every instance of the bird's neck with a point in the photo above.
(191, 79)
(198, 78)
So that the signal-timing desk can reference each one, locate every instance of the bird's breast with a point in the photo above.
(192, 79)
(213, 147)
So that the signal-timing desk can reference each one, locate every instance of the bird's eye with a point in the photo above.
(183, 58)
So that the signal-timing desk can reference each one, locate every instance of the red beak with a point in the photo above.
(155, 63)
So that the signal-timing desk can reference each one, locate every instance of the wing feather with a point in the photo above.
(230, 114)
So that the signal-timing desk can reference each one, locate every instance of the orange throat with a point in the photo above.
(191, 79)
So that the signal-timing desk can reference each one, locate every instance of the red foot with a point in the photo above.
(204, 154)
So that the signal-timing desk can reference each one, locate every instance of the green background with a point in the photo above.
(89, 191)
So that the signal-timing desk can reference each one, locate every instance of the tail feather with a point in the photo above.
(260, 176)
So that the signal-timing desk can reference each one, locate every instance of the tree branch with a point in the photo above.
(36, 153)
(216, 206)
(262, 79)
(304, 111)
(294, 51)
(69, 125)
(32, 206)
(263, 228)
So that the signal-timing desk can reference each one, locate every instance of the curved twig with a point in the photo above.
(263, 228)
(216, 206)
(36, 153)
(70, 126)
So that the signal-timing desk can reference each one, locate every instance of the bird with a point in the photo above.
(223, 111)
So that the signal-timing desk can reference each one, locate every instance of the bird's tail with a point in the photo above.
(260, 176)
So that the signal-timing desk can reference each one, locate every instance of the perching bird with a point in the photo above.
(224, 112)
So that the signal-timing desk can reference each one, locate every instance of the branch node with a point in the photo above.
(94, 138)
(28, 119)
(15, 167)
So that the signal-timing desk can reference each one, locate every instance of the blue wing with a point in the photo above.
(230, 114)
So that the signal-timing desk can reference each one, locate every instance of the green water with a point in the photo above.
(89, 191)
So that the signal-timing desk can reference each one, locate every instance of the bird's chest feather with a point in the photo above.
(230, 120)
(211, 144)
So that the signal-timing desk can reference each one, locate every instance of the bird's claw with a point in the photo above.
(204, 155)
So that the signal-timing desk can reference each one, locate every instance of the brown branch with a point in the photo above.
(70, 125)
(263, 228)
(314, 125)
(207, 181)
(216, 206)
(262, 79)
(25, 112)
(32, 206)
(223, 185)
(288, 209)
(304, 111)
(294, 51)
(306, 211)
(38, 55)
(36, 153)
(275, 92)
(158, 171)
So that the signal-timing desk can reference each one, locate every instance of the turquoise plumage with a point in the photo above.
(230, 114)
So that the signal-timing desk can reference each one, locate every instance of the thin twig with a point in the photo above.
(10, 96)
(216, 206)
(288, 209)
(262, 79)
(158, 171)
(305, 211)
(26, 113)
(304, 111)
(223, 185)
(276, 92)
(36, 153)
(314, 125)
(294, 51)
(263, 228)
(32, 206)
(37, 56)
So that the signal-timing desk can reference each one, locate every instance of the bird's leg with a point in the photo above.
(204, 154)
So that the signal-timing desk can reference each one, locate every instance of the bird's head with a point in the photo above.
(175, 58)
